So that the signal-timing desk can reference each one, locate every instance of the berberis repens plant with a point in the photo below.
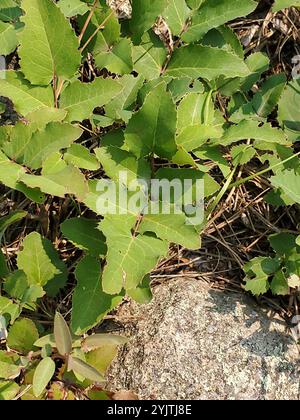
(107, 94)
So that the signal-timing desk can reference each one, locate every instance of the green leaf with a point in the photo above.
(95, 341)
(49, 340)
(224, 37)
(144, 14)
(288, 110)
(289, 182)
(10, 175)
(85, 235)
(258, 63)
(35, 262)
(105, 38)
(90, 303)
(72, 8)
(68, 181)
(210, 185)
(172, 228)
(62, 335)
(213, 14)
(267, 98)
(195, 136)
(115, 160)
(279, 284)
(194, 109)
(120, 107)
(16, 284)
(22, 335)
(45, 28)
(184, 85)
(8, 389)
(194, 4)
(80, 99)
(214, 154)
(78, 155)
(250, 129)
(59, 280)
(84, 369)
(125, 252)
(8, 307)
(142, 294)
(3, 266)
(242, 154)
(41, 117)
(176, 15)
(13, 217)
(8, 367)
(258, 271)
(55, 137)
(118, 59)
(102, 357)
(283, 4)
(8, 38)
(42, 375)
(9, 11)
(152, 129)
(282, 243)
(206, 62)
(149, 56)
(26, 98)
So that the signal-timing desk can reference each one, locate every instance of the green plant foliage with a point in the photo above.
(166, 93)
(44, 28)
(90, 303)
(283, 4)
(22, 335)
(280, 273)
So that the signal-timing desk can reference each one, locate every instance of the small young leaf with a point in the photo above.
(42, 375)
(84, 369)
(279, 284)
(62, 335)
(95, 341)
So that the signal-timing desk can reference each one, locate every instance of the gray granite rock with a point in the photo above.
(192, 342)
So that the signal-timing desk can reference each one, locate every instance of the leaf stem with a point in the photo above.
(219, 197)
(92, 11)
(58, 92)
(270, 168)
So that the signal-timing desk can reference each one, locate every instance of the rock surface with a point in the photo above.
(192, 342)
